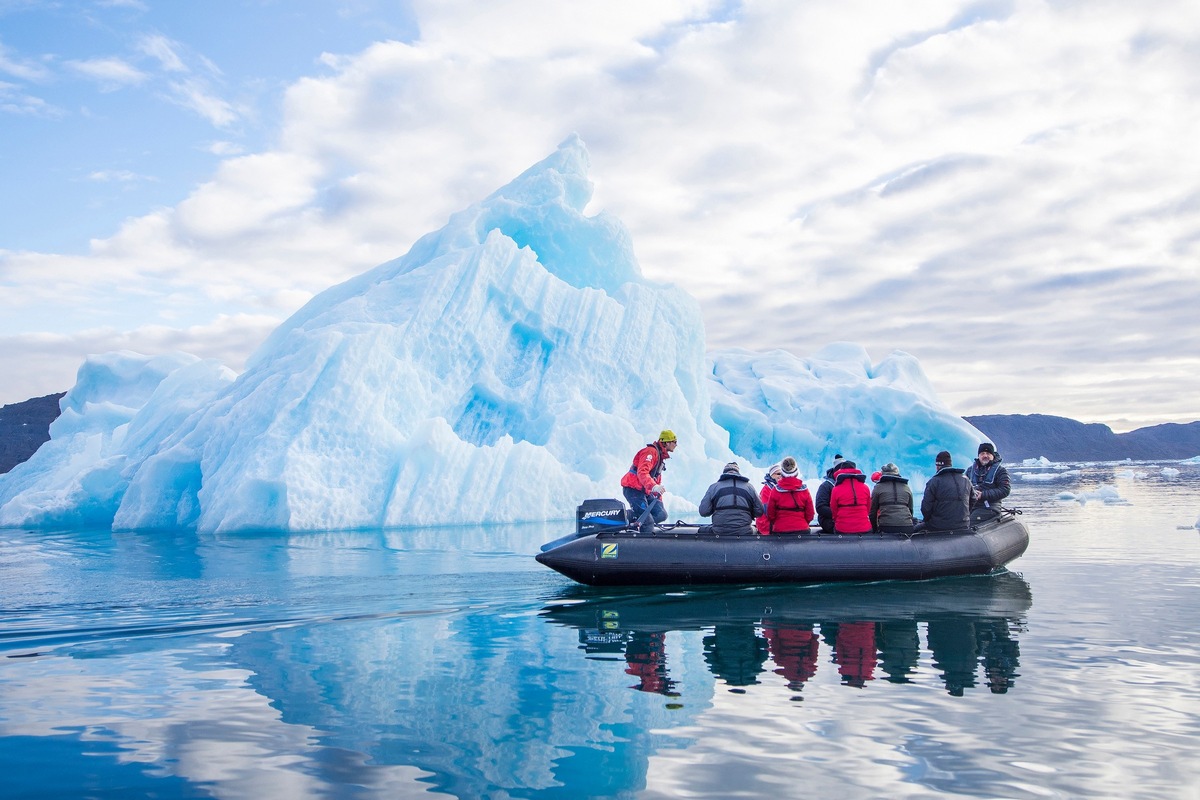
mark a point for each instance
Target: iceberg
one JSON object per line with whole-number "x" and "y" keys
{"x": 504, "y": 369}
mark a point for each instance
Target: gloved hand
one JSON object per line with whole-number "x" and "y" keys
{"x": 657, "y": 490}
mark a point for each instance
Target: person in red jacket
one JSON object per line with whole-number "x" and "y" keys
{"x": 642, "y": 483}
{"x": 789, "y": 505}
{"x": 850, "y": 500}
{"x": 770, "y": 481}
{"x": 794, "y": 649}
{"x": 854, "y": 651}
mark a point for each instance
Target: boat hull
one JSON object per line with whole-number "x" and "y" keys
{"x": 629, "y": 558}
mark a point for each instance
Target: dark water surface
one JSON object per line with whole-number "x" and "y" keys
{"x": 448, "y": 663}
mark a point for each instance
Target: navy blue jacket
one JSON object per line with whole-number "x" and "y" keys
{"x": 946, "y": 505}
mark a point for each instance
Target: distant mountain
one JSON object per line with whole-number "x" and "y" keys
{"x": 24, "y": 427}
{"x": 1021, "y": 436}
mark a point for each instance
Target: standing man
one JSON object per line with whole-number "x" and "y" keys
{"x": 946, "y": 505}
{"x": 642, "y": 484}
{"x": 989, "y": 481}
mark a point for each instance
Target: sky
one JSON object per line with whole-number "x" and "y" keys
{"x": 1009, "y": 191}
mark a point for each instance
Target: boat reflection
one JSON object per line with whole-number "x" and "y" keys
{"x": 871, "y": 631}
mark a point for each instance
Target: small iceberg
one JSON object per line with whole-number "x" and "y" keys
{"x": 1105, "y": 494}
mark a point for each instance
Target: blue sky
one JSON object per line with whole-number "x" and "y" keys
{"x": 119, "y": 107}
{"x": 1007, "y": 190}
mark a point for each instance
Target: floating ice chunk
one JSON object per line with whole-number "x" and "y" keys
{"x": 1105, "y": 493}
{"x": 1040, "y": 461}
{"x": 1170, "y": 472}
{"x": 1047, "y": 476}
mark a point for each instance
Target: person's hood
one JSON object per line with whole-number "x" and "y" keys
{"x": 792, "y": 482}
{"x": 734, "y": 477}
{"x": 897, "y": 478}
{"x": 958, "y": 470}
{"x": 851, "y": 474}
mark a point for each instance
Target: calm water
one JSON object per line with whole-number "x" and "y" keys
{"x": 448, "y": 663}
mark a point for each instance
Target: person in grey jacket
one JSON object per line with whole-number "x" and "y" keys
{"x": 891, "y": 502}
{"x": 731, "y": 503}
{"x": 946, "y": 505}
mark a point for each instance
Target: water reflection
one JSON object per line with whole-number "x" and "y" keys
{"x": 867, "y": 631}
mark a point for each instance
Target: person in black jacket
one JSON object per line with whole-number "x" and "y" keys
{"x": 731, "y": 502}
{"x": 821, "y": 501}
{"x": 946, "y": 505}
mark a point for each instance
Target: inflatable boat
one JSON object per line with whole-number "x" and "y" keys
{"x": 605, "y": 551}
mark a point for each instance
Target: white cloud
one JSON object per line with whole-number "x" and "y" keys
{"x": 111, "y": 73}
{"x": 15, "y": 101}
{"x": 163, "y": 50}
{"x": 226, "y": 149}
{"x": 117, "y": 176}
{"x": 44, "y": 363}
{"x": 22, "y": 68}
{"x": 1010, "y": 197}
{"x": 196, "y": 95}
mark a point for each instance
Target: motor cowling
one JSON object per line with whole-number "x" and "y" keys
{"x": 597, "y": 516}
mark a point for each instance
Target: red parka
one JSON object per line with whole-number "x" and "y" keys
{"x": 647, "y": 466}
{"x": 850, "y": 502}
{"x": 789, "y": 507}
{"x": 764, "y": 494}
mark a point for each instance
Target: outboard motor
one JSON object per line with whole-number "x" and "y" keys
{"x": 597, "y": 516}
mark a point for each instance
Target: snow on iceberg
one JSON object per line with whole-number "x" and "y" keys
{"x": 505, "y": 368}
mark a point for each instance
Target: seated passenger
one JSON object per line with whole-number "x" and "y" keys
{"x": 731, "y": 502}
{"x": 789, "y": 505}
{"x": 946, "y": 505}
{"x": 989, "y": 482}
{"x": 821, "y": 501}
{"x": 770, "y": 481}
{"x": 891, "y": 502}
{"x": 850, "y": 500}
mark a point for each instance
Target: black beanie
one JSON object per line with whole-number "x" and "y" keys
{"x": 943, "y": 459}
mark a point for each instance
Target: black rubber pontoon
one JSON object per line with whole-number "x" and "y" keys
{"x": 683, "y": 554}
